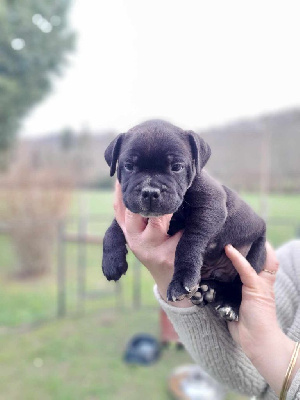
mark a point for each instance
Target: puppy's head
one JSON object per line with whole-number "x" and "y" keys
{"x": 157, "y": 163}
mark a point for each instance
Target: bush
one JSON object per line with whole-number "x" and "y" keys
{"x": 33, "y": 203}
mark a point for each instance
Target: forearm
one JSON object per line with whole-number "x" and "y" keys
{"x": 207, "y": 338}
{"x": 208, "y": 341}
{"x": 162, "y": 276}
{"x": 265, "y": 373}
{"x": 272, "y": 359}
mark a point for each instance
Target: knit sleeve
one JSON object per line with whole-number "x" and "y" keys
{"x": 294, "y": 391}
{"x": 288, "y": 308}
{"x": 207, "y": 339}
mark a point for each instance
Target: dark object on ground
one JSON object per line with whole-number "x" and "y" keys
{"x": 160, "y": 168}
{"x": 190, "y": 382}
{"x": 142, "y": 349}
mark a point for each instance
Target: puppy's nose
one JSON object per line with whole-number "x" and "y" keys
{"x": 150, "y": 193}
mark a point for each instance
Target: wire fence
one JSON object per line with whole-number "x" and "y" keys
{"x": 78, "y": 282}
{"x": 83, "y": 238}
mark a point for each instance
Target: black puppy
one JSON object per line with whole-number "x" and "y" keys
{"x": 160, "y": 168}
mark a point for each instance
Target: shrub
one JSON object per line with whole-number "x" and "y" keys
{"x": 33, "y": 203}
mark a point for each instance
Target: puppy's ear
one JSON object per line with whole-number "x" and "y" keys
{"x": 200, "y": 150}
{"x": 112, "y": 152}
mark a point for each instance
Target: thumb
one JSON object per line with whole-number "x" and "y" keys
{"x": 170, "y": 244}
{"x": 247, "y": 274}
{"x": 173, "y": 240}
{"x": 157, "y": 228}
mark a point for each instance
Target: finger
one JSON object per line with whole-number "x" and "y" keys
{"x": 128, "y": 221}
{"x": 161, "y": 223}
{"x": 134, "y": 223}
{"x": 119, "y": 206}
{"x": 167, "y": 248}
{"x": 157, "y": 228}
{"x": 171, "y": 243}
{"x": 271, "y": 265}
{"x": 247, "y": 274}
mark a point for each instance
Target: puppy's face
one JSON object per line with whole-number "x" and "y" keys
{"x": 155, "y": 172}
{"x": 157, "y": 163}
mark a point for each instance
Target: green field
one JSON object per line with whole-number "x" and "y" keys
{"x": 81, "y": 354}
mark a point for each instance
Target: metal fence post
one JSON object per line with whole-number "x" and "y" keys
{"x": 119, "y": 295}
{"x": 81, "y": 255}
{"x": 81, "y": 264}
{"x": 61, "y": 271}
{"x": 137, "y": 284}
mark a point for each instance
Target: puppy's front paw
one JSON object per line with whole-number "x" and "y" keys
{"x": 179, "y": 288}
{"x": 114, "y": 265}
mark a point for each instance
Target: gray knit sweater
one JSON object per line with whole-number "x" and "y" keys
{"x": 209, "y": 342}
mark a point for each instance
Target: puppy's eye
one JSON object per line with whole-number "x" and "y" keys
{"x": 177, "y": 167}
{"x": 128, "y": 166}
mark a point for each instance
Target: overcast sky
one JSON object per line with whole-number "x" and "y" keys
{"x": 195, "y": 63}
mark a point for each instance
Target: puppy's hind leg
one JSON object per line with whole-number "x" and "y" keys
{"x": 228, "y": 300}
{"x": 257, "y": 253}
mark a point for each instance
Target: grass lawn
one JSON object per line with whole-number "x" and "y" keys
{"x": 25, "y": 301}
{"x": 283, "y": 215}
{"x": 79, "y": 357}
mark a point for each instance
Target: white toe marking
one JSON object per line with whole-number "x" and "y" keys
{"x": 213, "y": 245}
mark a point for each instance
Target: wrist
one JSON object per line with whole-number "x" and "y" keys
{"x": 269, "y": 339}
{"x": 185, "y": 303}
{"x": 162, "y": 275}
{"x": 272, "y": 358}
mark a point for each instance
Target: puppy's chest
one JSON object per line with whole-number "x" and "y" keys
{"x": 216, "y": 265}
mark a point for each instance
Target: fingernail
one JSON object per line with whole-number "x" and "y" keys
{"x": 229, "y": 246}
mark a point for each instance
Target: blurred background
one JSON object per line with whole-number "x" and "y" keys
{"x": 74, "y": 74}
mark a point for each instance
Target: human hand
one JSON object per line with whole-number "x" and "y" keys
{"x": 258, "y": 331}
{"x": 148, "y": 240}
{"x": 257, "y": 315}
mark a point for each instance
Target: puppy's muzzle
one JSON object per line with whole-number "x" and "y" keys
{"x": 150, "y": 197}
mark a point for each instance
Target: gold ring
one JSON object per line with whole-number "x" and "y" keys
{"x": 270, "y": 272}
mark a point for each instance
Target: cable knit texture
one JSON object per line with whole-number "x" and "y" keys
{"x": 207, "y": 339}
